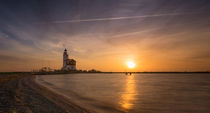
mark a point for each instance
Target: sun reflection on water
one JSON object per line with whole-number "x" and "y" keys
{"x": 128, "y": 96}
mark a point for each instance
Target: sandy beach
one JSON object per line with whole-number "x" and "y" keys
{"x": 21, "y": 94}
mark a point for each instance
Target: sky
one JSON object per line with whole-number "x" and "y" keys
{"x": 157, "y": 35}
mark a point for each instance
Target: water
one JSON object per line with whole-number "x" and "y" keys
{"x": 138, "y": 93}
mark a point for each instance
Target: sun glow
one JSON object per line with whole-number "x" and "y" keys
{"x": 131, "y": 64}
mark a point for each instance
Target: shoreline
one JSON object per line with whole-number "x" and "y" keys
{"x": 77, "y": 72}
{"x": 21, "y": 93}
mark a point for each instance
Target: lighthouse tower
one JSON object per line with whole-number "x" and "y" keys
{"x": 68, "y": 64}
{"x": 65, "y": 58}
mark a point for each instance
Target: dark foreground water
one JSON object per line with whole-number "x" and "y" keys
{"x": 138, "y": 93}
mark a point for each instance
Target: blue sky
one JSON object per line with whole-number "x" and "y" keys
{"x": 159, "y": 35}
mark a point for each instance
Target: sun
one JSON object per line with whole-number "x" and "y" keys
{"x": 131, "y": 64}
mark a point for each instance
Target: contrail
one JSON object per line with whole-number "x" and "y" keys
{"x": 118, "y": 18}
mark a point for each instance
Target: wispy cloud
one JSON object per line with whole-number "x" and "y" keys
{"x": 120, "y": 18}
{"x": 120, "y": 35}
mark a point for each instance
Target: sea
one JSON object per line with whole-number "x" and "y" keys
{"x": 136, "y": 93}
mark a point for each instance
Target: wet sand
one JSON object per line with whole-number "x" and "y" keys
{"x": 21, "y": 94}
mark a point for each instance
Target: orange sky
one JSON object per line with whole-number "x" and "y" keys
{"x": 156, "y": 35}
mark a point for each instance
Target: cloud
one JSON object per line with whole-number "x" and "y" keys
{"x": 11, "y": 58}
{"x": 120, "y": 18}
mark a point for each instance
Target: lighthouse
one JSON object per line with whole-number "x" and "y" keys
{"x": 68, "y": 64}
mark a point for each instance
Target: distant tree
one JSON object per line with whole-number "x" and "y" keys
{"x": 93, "y": 71}
{"x": 46, "y": 69}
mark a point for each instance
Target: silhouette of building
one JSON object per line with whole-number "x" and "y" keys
{"x": 68, "y": 64}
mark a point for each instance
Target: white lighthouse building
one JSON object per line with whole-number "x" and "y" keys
{"x": 68, "y": 64}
